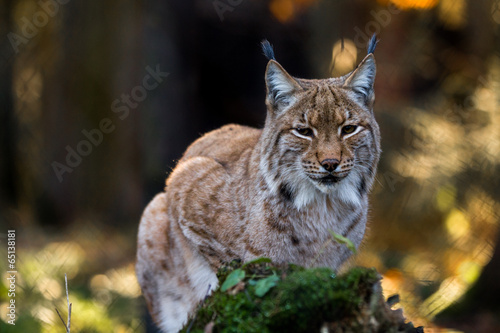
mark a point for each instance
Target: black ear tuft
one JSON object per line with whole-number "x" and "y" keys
{"x": 372, "y": 44}
{"x": 267, "y": 48}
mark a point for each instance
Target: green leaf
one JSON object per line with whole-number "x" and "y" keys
{"x": 232, "y": 279}
{"x": 256, "y": 261}
{"x": 343, "y": 240}
{"x": 264, "y": 285}
{"x": 252, "y": 282}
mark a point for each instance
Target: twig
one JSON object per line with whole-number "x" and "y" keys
{"x": 68, "y": 326}
{"x": 61, "y": 318}
{"x": 69, "y": 316}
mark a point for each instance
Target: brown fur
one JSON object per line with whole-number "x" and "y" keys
{"x": 240, "y": 192}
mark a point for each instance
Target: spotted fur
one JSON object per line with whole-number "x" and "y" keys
{"x": 276, "y": 192}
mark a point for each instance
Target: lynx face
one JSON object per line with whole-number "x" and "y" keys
{"x": 326, "y": 137}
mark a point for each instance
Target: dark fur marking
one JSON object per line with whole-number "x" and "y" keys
{"x": 149, "y": 243}
{"x": 370, "y": 129}
{"x": 175, "y": 296}
{"x": 230, "y": 254}
{"x": 313, "y": 97}
{"x": 201, "y": 232}
{"x": 224, "y": 165}
{"x": 295, "y": 241}
{"x": 334, "y": 95}
{"x": 354, "y": 222}
{"x": 207, "y": 251}
{"x": 251, "y": 248}
{"x": 170, "y": 239}
{"x": 164, "y": 265}
{"x": 286, "y": 192}
{"x": 277, "y": 225}
{"x": 185, "y": 279}
{"x": 145, "y": 277}
{"x": 246, "y": 172}
{"x": 276, "y": 143}
{"x": 268, "y": 154}
{"x": 214, "y": 199}
{"x": 150, "y": 284}
{"x": 362, "y": 187}
{"x": 267, "y": 206}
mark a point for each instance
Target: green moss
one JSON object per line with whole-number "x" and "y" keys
{"x": 311, "y": 297}
{"x": 267, "y": 298}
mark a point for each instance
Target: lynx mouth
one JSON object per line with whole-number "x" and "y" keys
{"x": 330, "y": 179}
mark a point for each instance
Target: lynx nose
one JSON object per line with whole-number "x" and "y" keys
{"x": 330, "y": 164}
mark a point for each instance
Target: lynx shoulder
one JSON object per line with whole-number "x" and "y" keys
{"x": 277, "y": 192}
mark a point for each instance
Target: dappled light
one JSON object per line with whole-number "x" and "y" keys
{"x": 412, "y": 4}
{"x": 286, "y": 10}
{"x": 344, "y": 57}
{"x": 102, "y": 302}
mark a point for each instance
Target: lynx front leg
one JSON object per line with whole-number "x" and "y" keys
{"x": 173, "y": 276}
{"x": 180, "y": 293}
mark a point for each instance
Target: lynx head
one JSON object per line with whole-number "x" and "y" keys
{"x": 320, "y": 138}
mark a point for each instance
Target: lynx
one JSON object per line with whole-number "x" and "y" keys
{"x": 276, "y": 192}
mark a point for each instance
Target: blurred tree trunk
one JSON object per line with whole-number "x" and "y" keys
{"x": 9, "y": 132}
{"x": 92, "y": 67}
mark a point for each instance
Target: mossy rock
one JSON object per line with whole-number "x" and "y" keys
{"x": 260, "y": 297}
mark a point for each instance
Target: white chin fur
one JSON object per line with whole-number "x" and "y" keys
{"x": 309, "y": 191}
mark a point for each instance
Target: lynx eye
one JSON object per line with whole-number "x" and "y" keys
{"x": 348, "y": 129}
{"x": 304, "y": 131}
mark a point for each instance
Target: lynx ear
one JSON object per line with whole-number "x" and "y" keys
{"x": 281, "y": 87}
{"x": 361, "y": 80}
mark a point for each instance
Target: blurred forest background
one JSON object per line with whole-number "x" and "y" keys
{"x": 98, "y": 99}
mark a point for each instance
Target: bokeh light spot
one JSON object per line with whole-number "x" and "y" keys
{"x": 344, "y": 54}
{"x": 469, "y": 271}
{"x": 283, "y": 10}
{"x": 457, "y": 224}
{"x": 412, "y": 4}
{"x": 49, "y": 288}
